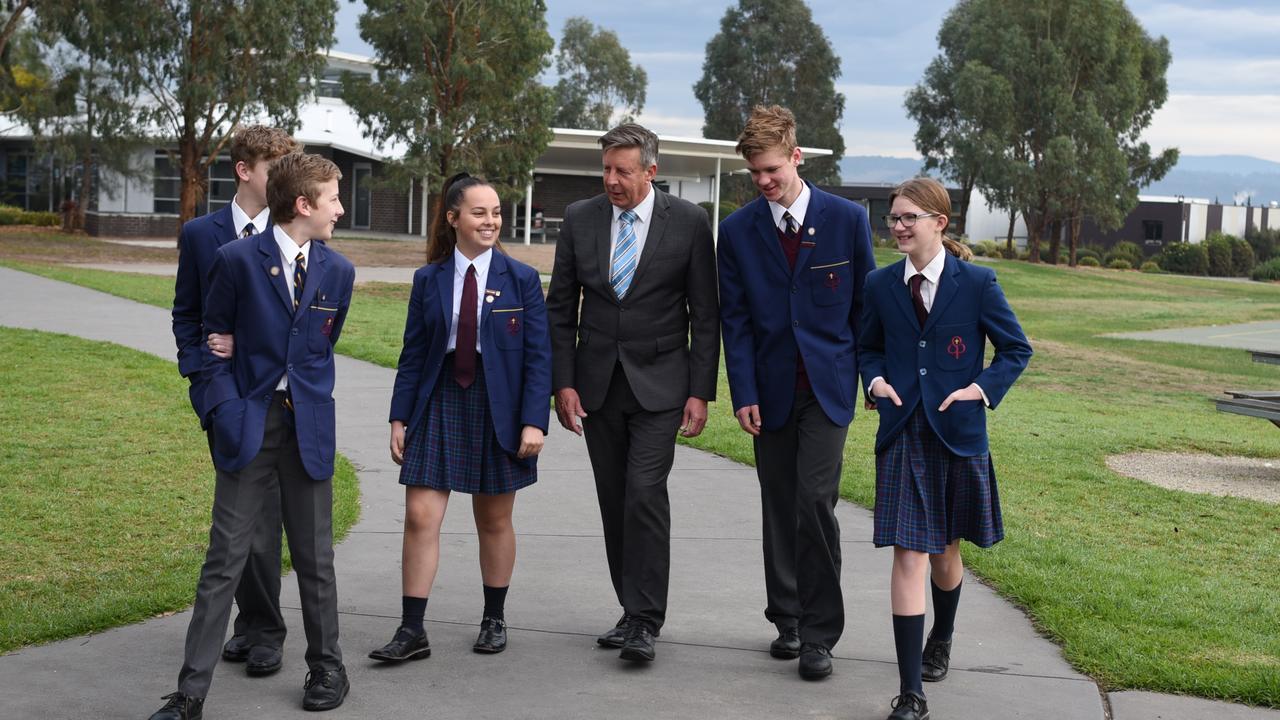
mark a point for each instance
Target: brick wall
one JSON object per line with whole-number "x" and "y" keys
{"x": 554, "y": 193}
{"x": 130, "y": 225}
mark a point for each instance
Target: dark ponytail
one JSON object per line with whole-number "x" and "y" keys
{"x": 443, "y": 237}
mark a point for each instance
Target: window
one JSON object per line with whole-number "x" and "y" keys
{"x": 167, "y": 186}
{"x": 1152, "y": 230}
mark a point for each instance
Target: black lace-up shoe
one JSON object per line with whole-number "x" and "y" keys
{"x": 325, "y": 689}
{"x": 180, "y": 707}
{"x": 406, "y": 645}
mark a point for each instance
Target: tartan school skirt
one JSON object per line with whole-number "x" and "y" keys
{"x": 454, "y": 447}
{"x": 927, "y": 496}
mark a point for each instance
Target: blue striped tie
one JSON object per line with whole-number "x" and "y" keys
{"x": 299, "y": 279}
{"x": 624, "y": 255}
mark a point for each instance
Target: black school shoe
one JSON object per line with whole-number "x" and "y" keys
{"x": 787, "y": 644}
{"x": 936, "y": 660}
{"x": 815, "y": 662}
{"x": 909, "y": 706}
{"x": 180, "y": 707}
{"x": 406, "y": 645}
{"x": 236, "y": 649}
{"x": 639, "y": 646}
{"x": 616, "y": 636}
{"x": 325, "y": 689}
{"x": 263, "y": 660}
{"x": 492, "y": 638}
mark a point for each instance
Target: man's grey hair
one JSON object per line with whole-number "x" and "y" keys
{"x": 629, "y": 135}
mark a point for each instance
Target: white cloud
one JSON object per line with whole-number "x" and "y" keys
{"x": 1209, "y": 20}
{"x": 678, "y": 125}
{"x": 665, "y": 57}
{"x": 1218, "y": 125}
{"x": 1213, "y": 75}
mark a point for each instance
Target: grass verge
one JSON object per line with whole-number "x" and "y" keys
{"x": 1143, "y": 587}
{"x": 106, "y": 487}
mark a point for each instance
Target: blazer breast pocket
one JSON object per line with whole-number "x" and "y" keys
{"x": 831, "y": 283}
{"x": 956, "y": 346}
{"x": 321, "y": 317}
{"x": 508, "y": 324}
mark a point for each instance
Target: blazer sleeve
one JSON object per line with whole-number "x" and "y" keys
{"x": 870, "y": 337}
{"x": 340, "y": 318}
{"x": 1012, "y": 350}
{"x": 219, "y": 317}
{"x": 413, "y": 353}
{"x": 188, "y": 328}
{"x": 563, "y": 300}
{"x": 704, "y": 311}
{"x": 864, "y": 261}
{"x": 735, "y": 326}
{"x": 535, "y": 405}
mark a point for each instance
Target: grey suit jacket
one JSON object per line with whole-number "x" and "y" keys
{"x": 665, "y": 331}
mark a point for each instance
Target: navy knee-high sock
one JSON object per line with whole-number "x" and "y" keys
{"x": 908, "y": 639}
{"x": 945, "y": 603}
{"x": 412, "y": 611}
{"x": 495, "y": 599}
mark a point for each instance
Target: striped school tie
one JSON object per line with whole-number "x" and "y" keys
{"x": 624, "y": 255}
{"x": 299, "y": 279}
{"x": 791, "y": 228}
{"x": 249, "y": 229}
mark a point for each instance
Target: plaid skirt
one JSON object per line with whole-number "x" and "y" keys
{"x": 454, "y": 447}
{"x": 928, "y": 497}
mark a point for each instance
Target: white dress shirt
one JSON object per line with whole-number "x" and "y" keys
{"x": 460, "y": 266}
{"x": 240, "y": 218}
{"x": 798, "y": 208}
{"x": 644, "y": 213}
{"x": 288, "y": 252}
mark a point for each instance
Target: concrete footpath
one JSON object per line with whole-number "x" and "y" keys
{"x": 712, "y": 657}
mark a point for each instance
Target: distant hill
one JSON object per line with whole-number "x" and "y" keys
{"x": 1227, "y": 178}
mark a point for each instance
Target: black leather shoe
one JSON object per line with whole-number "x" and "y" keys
{"x": 815, "y": 662}
{"x": 406, "y": 645}
{"x": 618, "y": 635}
{"x": 936, "y": 660}
{"x": 493, "y": 636}
{"x": 263, "y": 660}
{"x": 787, "y": 645}
{"x": 325, "y": 689}
{"x": 236, "y": 649}
{"x": 180, "y": 707}
{"x": 639, "y": 643}
{"x": 909, "y": 706}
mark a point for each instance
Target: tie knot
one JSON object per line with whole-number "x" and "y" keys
{"x": 916, "y": 280}
{"x": 629, "y": 216}
{"x": 471, "y": 269}
{"x": 300, "y": 260}
{"x": 789, "y": 221}
{"x": 249, "y": 229}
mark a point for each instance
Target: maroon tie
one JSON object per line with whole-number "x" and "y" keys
{"x": 464, "y": 357}
{"x": 917, "y": 299}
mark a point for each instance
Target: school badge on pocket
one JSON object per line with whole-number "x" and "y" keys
{"x": 956, "y": 348}
{"x": 327, "y": 328}
{"x": 513, "y": 325}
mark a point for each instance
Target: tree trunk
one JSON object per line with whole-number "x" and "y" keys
{"x": 962, "y": 223}
{"x": 1008, "y": 243}
{"x": 12, "y": 25}
{"x": 1055, "y": 241}
{"x": 1075, "y": 236}
{"x": 193, "y": 178}
{"x": 86, "y": 187}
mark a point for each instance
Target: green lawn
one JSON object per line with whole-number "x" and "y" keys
{"x": 1143, "y": 587}
{"x": 105, "y": 485}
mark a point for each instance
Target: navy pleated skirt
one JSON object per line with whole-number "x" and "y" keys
{"x": 927, "y": 497}
{"x": 454, "y": 447}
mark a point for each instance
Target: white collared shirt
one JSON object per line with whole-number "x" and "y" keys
{"x": 798, "y": 208}
{"x": 460, "y": 265}
{"x": 644, "y": 213}
{"x": 288, "y": 253}
{"x": 240, "y": 218}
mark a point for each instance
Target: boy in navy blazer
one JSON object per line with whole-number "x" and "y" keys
{"x": 270, "y": 407}
{"x": 792, "y": 264}
{"x": 259, "y": 628}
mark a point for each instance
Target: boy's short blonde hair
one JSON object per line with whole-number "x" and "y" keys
{"x": 254, "y": 143}
{"x": 297, "y": 175}
{"x": 768, "y": 128}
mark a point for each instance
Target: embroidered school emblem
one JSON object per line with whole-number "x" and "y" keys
{"x": 513, "y": 325}
{"x": 832, "y": 281}
{"x": 327, "y": 328}
{"x": 956, "y": 348}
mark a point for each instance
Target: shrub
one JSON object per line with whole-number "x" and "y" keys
{"x": 1185, "y": 259}
{"x": 1267, "y": 271}
{"x": 10, "y": 215}
{"x": 1120, "y": 264}
{"x": 1087, "y": 251}
{"x": 1219, "y": 249}
{"x": 1089, "y": 261}
{"x": 726, "y": 207}
{"x": 1242, "y": 258}
{"x": 1151, "y": 266}
{"x": 988, "y": 248}
{"x": 1263, "y": 243}
{"x": 1124, "y": 250}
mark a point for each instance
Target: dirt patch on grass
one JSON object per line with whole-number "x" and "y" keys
{"x": 1228, "y": 476}
{"x": 49, "y": 245}
{"x": 413, "y": 252}
{"x": 1071, "y": 364}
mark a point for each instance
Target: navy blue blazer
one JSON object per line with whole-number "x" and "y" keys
{"x": 514, "y": 342}
{"x": 768, "y": 310}
{"x": 199, "y": 240}
{"x": 925, "y": 365}
{"x": 248, "y": 296}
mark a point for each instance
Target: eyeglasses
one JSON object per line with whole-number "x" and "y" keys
{"x": 908, "y": 219}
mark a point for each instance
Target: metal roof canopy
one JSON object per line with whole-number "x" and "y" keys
{"x": 577, "y": 152}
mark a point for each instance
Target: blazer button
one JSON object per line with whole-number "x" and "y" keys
{"x": 923, "y": 343}
{"x": 289, "y": 367}
{"x": 924, "y": 371}
{"x": 266, "y": 399}
{"x": 795, "y": 288}
{"x": 795, "y": 323}
{"x": 293, "y": 331}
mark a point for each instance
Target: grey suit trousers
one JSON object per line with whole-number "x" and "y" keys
{"x": 307, "y": 511}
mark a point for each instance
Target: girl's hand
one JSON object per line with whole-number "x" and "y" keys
{"x": 397, "y": 442}
{"x": 969, "y": 393}
{"x": 531, "y": 439}
{"x": 882, "y": 389}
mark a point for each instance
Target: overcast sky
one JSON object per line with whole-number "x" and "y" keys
{"x": 1224, "y": 83}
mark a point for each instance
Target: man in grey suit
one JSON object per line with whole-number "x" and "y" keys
{"x": 637, "y": 365}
